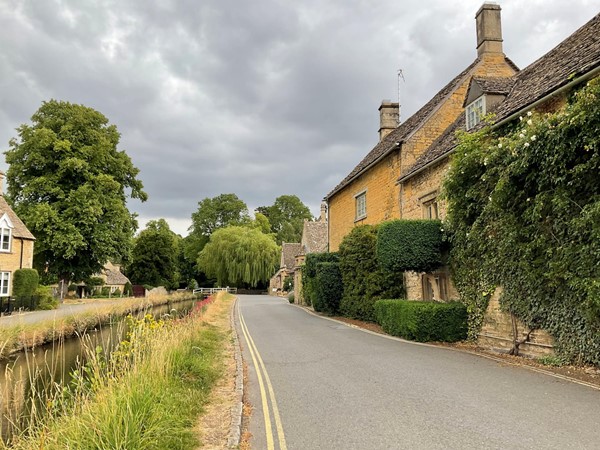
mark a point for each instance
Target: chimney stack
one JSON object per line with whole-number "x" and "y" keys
{"x": 1, "y": 183}
{"x": 389, "y": 117}
{"x": 323, "y": 217}
{"x": 489, "y": 29}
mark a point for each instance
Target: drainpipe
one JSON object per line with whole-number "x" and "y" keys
{"x": 21, "y": 259}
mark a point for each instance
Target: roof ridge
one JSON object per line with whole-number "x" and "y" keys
{"x": 383, "y": 147}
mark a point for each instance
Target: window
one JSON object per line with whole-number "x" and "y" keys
{"x": 430, "y": 210}
{"x": 361, "y": 205}
{"x": 475, "y": 111}
{"x": 6, "y": 227}
{"x": 4, "y": 283}
{"x": 435, "y": 286}
{"x": 5, "y": 234}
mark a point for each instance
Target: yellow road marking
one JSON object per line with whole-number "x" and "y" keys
{"x": 252, "y": 345}
{"x": 263, "y": 395}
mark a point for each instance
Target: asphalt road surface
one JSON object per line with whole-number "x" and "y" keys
{"x": 325, "y": 385}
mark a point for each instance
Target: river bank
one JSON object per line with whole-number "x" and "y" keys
{"x": 149, "y": 393}
{"x": 28, "y": 332}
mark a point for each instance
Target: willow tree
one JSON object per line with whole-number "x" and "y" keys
{"x": 237, "y": 255}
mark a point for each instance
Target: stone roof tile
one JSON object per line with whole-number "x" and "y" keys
{"x": 19, "y": 230}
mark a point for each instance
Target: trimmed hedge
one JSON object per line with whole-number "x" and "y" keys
{"x": 25, "y": 282}
{"x": 328, "y": 287}
{"x": 309, "y": 273}
{"x": 410, "y": 245}
{"x": 423, "y": 321}
{"x": 364, "y": 280}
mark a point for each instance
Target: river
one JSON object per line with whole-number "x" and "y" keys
{"x": 25, "y": 378}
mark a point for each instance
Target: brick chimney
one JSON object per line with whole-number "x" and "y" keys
{"x": 389, "y": 114}
{"x": 489, "y": 29}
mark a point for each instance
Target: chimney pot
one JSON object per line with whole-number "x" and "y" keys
{"x": 489, "y": 29}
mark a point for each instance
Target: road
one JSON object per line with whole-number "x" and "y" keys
{"x": 328, "y": 386}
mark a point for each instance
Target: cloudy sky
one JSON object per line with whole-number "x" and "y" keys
{"x": 260, "y": 98}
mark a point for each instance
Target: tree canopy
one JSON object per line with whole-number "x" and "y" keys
{"x": 218, "y": 212}
{"x": 286, "y": 216}
{"x": 69, "y": 183}
{"x": 154, "y": 259}
{"x": 239, "y": 255}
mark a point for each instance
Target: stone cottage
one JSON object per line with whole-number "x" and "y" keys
{"x": 286, "y": 268}
{"x": 542, "y": 86}
{"x": 370, "y": 193}
{"x": 16, "y": 244}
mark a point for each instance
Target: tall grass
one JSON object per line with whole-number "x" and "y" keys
{"x": 147, "y": 394}
{"x": 15, "y": 338}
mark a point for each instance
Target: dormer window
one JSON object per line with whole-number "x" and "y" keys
{"x": 475, "y": 111}
{"x": 6, "y": 228}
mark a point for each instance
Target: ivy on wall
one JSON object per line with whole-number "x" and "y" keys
{"x": 524, "y": 214}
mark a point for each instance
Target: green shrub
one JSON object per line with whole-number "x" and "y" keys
{"x": 423, "y": 321}
{"x": 116, "y": 293}
{"x": 25, "y": 282}
{"x": 309, "y": 273}
{"x": 328, "y": 288}
{"x": 410, "y": 245}
{"x": 128, "y": 289}
{"x": 45, "y": 300}
{"x": 105, "y": 291}
{"x": 524, "y": 214}
{"x": 364, "y": 281}
{"x": 291, "y": 297}
{"x": 288, "y": 283}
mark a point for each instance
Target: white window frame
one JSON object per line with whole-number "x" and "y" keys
{"x": 360, "y": 205}
{"x": 6, "y": 228}
{"x": 4, "y": 284}
{"x": 475, "y": 111}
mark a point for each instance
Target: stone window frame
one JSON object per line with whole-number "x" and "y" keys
{"x": 475, "y": 111}
{"x": 6, "y": 228}
{"x": 360, "y": 205}
{"x": 429, "y": 202}
{"x": 439, "y": 281}
{"x": 4, "y": 284}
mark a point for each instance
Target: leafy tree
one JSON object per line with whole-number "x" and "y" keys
{"x": 67, "y": 181}
{"x": 218, "y": 212}
{"x": 155, "y": 256}
{"x": 238, "y": 255}
{"x": 286, "y": 217}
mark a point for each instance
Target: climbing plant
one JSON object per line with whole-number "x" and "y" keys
{"x": 524, "y": 214}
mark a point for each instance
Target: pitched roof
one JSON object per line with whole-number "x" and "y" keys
{"x": 576, "y": 55}
{"x": 19, "y": 230}
{"x": 491, "y": 85}
{"x": 288, "y": 254}
{"x": 314, "y": 237}
{"x": 115, "y": 277}
{"x": 390, "y": 142}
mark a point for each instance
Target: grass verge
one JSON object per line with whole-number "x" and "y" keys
{"x": 146, "y": 395}
{"x": 17, "y": 337}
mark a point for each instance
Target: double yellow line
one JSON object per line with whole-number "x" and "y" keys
{"x": 260, "y": 371}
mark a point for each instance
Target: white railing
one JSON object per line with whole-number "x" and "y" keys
{"x": 203, "y": 291}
